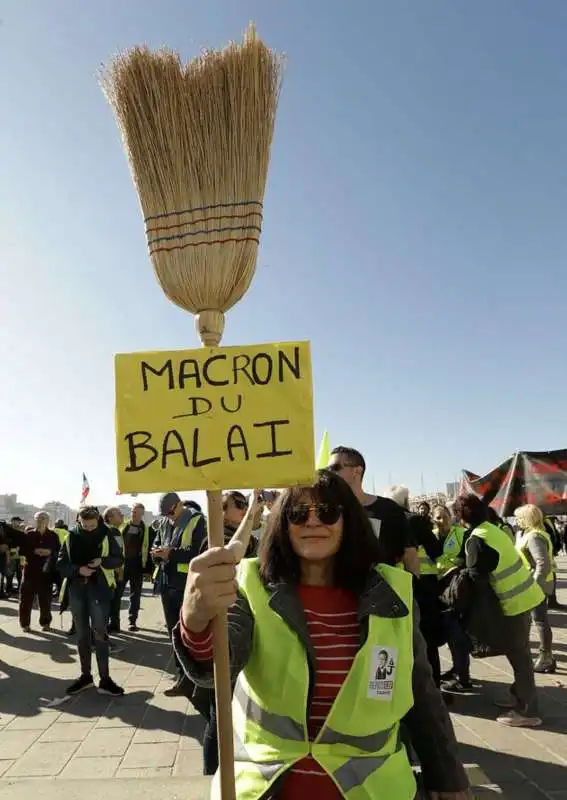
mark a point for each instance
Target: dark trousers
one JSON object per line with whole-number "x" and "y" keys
{"x": 459, "y": 645}
{"x": 90, "y": 613}
{"x": 519, "y": 655}
{"x": 172, "y": 600}
{"x": 35, "y": 586}
{"x": 133, "y": 575}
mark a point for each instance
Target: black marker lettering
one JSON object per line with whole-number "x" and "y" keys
{"x": 267, "y": 367}
{"x": 274, "y": 452}
{"x": 189, "y": 371}
{"x": 206, "y": 375}
{"x": 294, "y": 368}
{"x": 231, "y": 410}
{"x": 170, "y": 451}
{"x": 232, "y": 444}
{"x": 167, "y": 368}
{"x": 204, "y": 461}
{"x": 236, "y": 368}
{"x": 134, "y": 446}
{"x": 194, "y": 401}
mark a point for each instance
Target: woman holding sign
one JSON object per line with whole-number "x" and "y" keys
{"x": 326, "y": 656}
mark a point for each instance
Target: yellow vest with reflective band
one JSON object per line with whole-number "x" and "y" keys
{"x": 185, "y": 542}
{"x": 426, "y": 565}
{"x": 522, "y": 547}
{"x": 512, "y": 581}
{"x": 452, "y": 546}
{"x": 108, "y": 573}
{"x": 359, "y": 744}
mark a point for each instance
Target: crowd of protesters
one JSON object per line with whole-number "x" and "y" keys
{"x": 319, "y": 566}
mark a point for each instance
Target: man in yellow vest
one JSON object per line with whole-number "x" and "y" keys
{"x": 136, "y": 546}
{"x": 87, "y": 561}
{"x": 179, "y": 538}
{"x": 490, "y": 553}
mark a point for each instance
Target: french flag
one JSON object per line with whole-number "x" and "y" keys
{"x": 85, "y": 489}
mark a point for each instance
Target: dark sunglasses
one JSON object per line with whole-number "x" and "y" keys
{"x": 327, "y": 513}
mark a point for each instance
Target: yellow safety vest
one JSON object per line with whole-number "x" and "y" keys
{"x": 522, "y": 547}
{"x": 427, "y": 566}
{"x": 145, "y": 539}
{"x": 185, "y": 542}
{"x": 359, "y": 744}
{"x": 512, "y": 581}
{"x": 109, "y": 574}
{"x": 452, "y": 546}
{"x": 61, "y": 535}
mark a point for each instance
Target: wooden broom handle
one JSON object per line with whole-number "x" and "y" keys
{"x": 223, "y": 688}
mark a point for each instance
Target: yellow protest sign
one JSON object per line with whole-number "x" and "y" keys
{"x": 214, "y": 418}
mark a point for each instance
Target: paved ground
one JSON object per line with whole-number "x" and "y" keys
{"x": 153, "y": 739}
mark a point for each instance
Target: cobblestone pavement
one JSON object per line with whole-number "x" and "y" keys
{"x": 150, "y": 737}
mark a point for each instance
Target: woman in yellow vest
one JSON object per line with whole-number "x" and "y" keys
{"x": 535, "y": 547}
{"x": 489, "y": 552}
{"x": 326, "y": 656}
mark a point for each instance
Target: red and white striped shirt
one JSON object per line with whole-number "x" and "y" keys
{"x": 334, "y": 632}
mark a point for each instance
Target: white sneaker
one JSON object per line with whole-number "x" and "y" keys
{"x": 513, "y": 719}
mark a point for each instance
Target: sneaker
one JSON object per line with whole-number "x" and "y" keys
{"x": 457, "y": 686}
{"x": 132, "y": 627}
{"x": 82, "y": 683}
{"x": 26, "y": 629}
{"x": 449, "y": 675}
{"x": 107, "y": 686}
{"x": 513, "y": 719}
{"x": 46, "y": 628}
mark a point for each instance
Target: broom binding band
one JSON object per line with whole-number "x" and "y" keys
{"x": 167, "y": 249}
{"x": 204, "y": 208}
{"x": 217, "y": 218}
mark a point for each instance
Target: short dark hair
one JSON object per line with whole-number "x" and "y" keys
{"x": 354, "y": 456}
{"x": 470, "y": 509}
{"x": 89, "y": 512}
{"x": 359, "y": 551}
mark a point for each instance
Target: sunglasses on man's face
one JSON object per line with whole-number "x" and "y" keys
{"x": 326, "y": 513}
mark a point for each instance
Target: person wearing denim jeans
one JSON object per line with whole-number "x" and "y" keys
{"x": 87, "y": 561}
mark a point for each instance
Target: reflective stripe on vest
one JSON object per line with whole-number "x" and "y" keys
{"x": 512, "y": 581}
{"x": 359, "y": 744}
{"x": 185, "y": 542}
{"x": 426, "y": 565}
{"x": 522, "y": 546}
{"x": 186, "y": 539}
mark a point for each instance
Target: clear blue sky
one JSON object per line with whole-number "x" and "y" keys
{"x": 415, "y": 229}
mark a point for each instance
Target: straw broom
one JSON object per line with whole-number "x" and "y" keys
{"x": 198, "y": 140}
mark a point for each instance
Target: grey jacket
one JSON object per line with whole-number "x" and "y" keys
{"x": 428, "y": 722}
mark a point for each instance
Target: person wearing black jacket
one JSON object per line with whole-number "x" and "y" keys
{"x": 87, "y": 562}
{"x": 426, "y": 590}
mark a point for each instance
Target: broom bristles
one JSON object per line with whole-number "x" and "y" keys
{"x": 198, "y": 141}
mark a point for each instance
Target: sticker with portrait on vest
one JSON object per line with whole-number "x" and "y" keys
{"x": 382, "y": 672}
